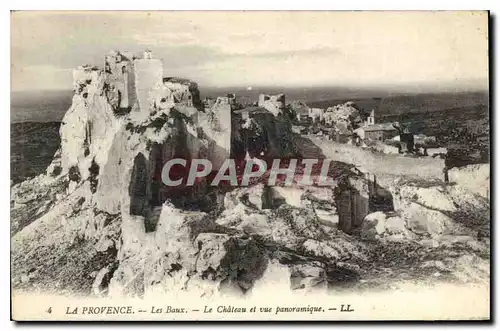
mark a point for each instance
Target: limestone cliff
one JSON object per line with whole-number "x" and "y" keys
{"x": 105, "y": 194}
{"x": 101, "y": 222}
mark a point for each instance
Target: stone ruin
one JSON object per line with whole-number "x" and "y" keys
{"x": 168, "y": 116}
{"x": 273, "y": 103}
{"x": 125, "y": 122}
{"x": 167, "y": 119}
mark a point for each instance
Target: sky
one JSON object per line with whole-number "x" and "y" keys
{"x": 289, "y": 49}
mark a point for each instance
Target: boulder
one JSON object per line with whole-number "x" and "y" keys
{"x": 327, "y": 217}
{"x": 423, "y": 220}
{"x": 373, "y": 224}
{"x": 395, "y": 225}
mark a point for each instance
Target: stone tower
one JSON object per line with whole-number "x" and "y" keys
{"x": 148, "y": 73}
{"x": 371, "y": 119}
{"x": 120, "y": 79}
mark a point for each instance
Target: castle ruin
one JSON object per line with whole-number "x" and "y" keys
{"x": 130, "y": 78}
{"x": 169, "y": 114}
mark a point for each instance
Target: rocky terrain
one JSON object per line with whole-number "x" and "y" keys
{"x": 92, "y": 224}
{"x": 435, "y": 233}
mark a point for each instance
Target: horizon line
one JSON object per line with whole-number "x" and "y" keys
{"x": 402, "y": 88}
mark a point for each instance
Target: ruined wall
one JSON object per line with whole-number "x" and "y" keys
{"x": 352, "y": 197}
{"x": 161, "y": 98}
{"x": 259, "y": 133}
{"x": 131, "y": 90}
{"x": 263, "y": 98}
{"x": 148, "y": 74}
{"x": 278, "y": 132}
{"x": 185, "y": 91}
{"x": 229, "y": 99}
{"x": 380, "y": 134}
{"x": 120, "y": 80}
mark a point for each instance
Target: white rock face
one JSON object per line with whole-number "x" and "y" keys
{"x": 436, "y": 197}
{"x": 440, "y": 209}
{"x": 216, "y": 123}
{"x": 395, "y": 225}
{"x": 423, "y": 220}
{"x": 475, "y": 178}
{"x": 290, "y": 195}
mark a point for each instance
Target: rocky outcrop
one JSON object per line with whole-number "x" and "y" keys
{"x": 100, "y": 221}
{"x": 273, "y": 103}
{"x": 344, "y": 117}
{"x": 258, "y": 132}
{"x": 103, "y": 190}
{"x": 475, "y": 178}
{"x": 430, "y": 210}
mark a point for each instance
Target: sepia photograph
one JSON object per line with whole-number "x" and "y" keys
{"x": 250, "y": 165}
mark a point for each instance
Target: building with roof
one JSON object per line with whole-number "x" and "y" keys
{"x": 381, "y": 131}
{"x": 370, "y": 120}
{"x": 316, "y": 114}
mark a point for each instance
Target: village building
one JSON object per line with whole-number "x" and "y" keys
{"x": 381, "y": 131}
{"x": 302, "y": 115}
{"x": 316, "y": 114}
{"x": 370, "y": 120}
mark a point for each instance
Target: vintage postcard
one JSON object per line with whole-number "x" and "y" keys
{"x": 281, "y": 165}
